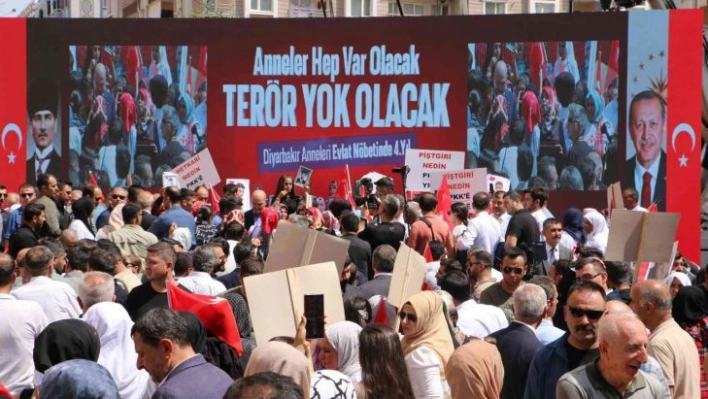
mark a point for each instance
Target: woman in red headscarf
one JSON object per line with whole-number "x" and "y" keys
{"x": 129, "y": 115}
{"x": 531, "y": 112}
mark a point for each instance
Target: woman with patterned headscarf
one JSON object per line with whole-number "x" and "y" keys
{"x": 598, "y": 131}
{"x": 189, "y": 132}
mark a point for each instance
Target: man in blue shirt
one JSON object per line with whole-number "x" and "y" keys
{"x": 179, "y": 204}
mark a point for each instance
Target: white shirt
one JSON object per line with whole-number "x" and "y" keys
{"x": 82, "y": 232}
{"x": 540, "y": 217}
{"x": 58, "y": 299}
{"x": 552, "y": 256}
{"x": 503, "y": 223}
{"x": 639, "y": 209}
{"x": 639, "y": 177}
{"x": 477, "y": 320}
{"x": 432, "y": 270}
{"x": 425, "y": 369}
{"x": 42, "y": 154}
{"x": 202, "y": 283}
{"x": 485, "y": 231}
{"x": 230, "y": 264}
{"x": 20, "y": 323}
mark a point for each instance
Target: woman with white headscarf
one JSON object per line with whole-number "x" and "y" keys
{"x": 566, "y": 61}
{"x": 115, "y": 222}
{"x": 339, "y": 349}
{"x": 596, "y": 228}
{"x": 117, "y": 354}
{"x": 676, "y": 281}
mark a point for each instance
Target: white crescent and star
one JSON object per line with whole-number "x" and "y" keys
{"x": 11, "y": 128}
{"x": 678, "y": 130}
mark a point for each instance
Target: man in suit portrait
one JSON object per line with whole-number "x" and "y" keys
{"x": 646, "y": 170}
{"x": 43, "y": 104}
{"x": 554, "y": 251}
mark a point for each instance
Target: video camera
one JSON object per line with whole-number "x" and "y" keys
{"x": 369, "y": 197}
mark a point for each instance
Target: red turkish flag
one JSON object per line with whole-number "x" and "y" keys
{"x": 381, "y": 316}
{"x": 344, "y": 189}
{"x": 683, "y": 128}
{"x": 13, "y": 103}
{"x": 444, "y": 201}
{"x": 214, "y": 312}
{"x": 214, "y": 198}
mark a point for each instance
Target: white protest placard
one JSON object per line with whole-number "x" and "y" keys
{"x": 464, "y": 184}
{"x": 198, "y": 170}
{"x": 246, "y": 190}
{"x": 424, "y": 162}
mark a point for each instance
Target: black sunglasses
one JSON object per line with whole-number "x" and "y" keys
{"x": 591, "y": 314}
{"x": 516, "y": 270}
{"x": 411, "y": 317}
{"x": 3, "y": 195}
{"x": 27, "y": 195}
{"x": 119, "y": 197}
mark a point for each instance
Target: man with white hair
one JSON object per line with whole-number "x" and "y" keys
{"x": 623, "y": 348}
{"x": 96, "y": 287}
{"x": 518, "y": 343}
{"x": 199, "y": 281}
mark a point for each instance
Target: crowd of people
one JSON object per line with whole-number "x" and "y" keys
{"x": 129, "y": 123}
{"x": 536, "y": 113}
{"x": 516, "y": 302}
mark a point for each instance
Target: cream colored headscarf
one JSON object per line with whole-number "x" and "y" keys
{"x": 115, "y": 222}
{"x": 431, "y": 328}
{"x": 475, "y": 370}
{"x": 283, "y": 359}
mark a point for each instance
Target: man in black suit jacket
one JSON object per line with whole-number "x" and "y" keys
{"x": 359, "y": 250}
{"x": 647, "y": 128}
{"x": 517, "y": 343}
{"x": 42, "y": 108}
{"x": 258, "y": 202}
{"x": 382, "y": 260}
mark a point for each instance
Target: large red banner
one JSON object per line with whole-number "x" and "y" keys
{"x": 13, "y": 109}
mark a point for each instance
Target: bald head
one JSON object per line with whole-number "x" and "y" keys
{"x": 615, "y": 326}
{"x": 99, "y": 79}
{"x": 68, "y": 238}
{"x": 7, "y": 272}
{"x": 258, "y": 200}
{"x": 653, "y": 291}
{"x": 616, "y": 306}
{"x": 145, "y": 200}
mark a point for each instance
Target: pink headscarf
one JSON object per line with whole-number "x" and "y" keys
{"x": 127, "y": 110}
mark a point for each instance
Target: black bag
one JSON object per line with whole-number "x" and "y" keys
{"x": 432, "y": 233}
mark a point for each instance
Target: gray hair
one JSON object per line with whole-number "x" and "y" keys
{"x": 383, "y": 258}
{"x": 170, "y": 115}
{"x": 529, "y": 302}
{"x": 96, "y": 287}
{"x": 299, "y": 220}
{"x": 391, "y": 205}
{"x": 571, "y": 179}
{"x": 414, "y": 208}
{"x": 204, "y": 258}
{"x": 576, "y": 113}
{"x": 661, "y": 300}
{"x": 38, "y": 260}
{"x": 609, "y": 325}
{"x": 547, "y": 284}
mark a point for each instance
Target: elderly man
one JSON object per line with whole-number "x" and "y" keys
{"x": 623, "y": 341}
{"x": 646, "y": 170}
{"x": 163, "y": 346}
{"x": 95, "y": 288}
{"x": 119, "y": 195}
{"x": 668, "y": 343}
{"x": 199, "y": 281}
{"x": 518, "y": 343}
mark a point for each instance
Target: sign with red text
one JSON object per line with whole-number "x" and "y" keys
{"x": 424, "y": 162}
{"x": 198, "y": 170}
{"x": 464, "y": 184}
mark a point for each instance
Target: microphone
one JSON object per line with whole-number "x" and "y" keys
{"x": 404, "y": 170}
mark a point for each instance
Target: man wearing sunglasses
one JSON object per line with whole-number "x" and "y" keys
{"x": 592, "y": 269}
{"x": 514, "y": 269}
{"x": 27, "y": 194}
{"x": 584, "y": 308}
{"x": 119, "y": 195}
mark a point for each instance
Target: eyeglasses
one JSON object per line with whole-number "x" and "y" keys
{"x": 118, "y": 197}
{"x": 516, "y": 270}
{"x": 27, "y": 195}
{"x": 410, "y": 316}
{"x": 591, "y": 314}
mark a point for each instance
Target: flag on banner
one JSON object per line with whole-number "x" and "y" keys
{"x": 214, "y": 312}
{"x": 654, "y": 207}
{"x": 344, "y": 188}
{"x": 92, "y": 180}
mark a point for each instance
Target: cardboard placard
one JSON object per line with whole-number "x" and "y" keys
{"x": 463, "y": 184}
{"x": 423, "y": 162}
{"x": 198, "y": 170}
{"x": 246, "y": 191}
{"x": 295, "y": 246}
{"x": 276, "y": 300}
{"x": 655, "y": 270}
{"x": 408, "y": 276}
{"x": 614, "y": 197}
{"x": 641, "y": 236}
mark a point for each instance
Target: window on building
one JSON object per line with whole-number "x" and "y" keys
{"x": 494, "y": 7}
{"x": 439, "y": 10}
{"x": 544, "y": 7}
{"x": 360, "y": 8}
{"x": 265, "y": 6}
{"x": 409, "y": 10}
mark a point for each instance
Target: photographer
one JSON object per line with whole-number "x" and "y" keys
{"x": 388, "y": 231}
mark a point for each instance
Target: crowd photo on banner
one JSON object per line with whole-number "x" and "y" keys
{"x": 135, "y": 112}
{"x": 124, "y": 275}
{"x": 545, "y": 110}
